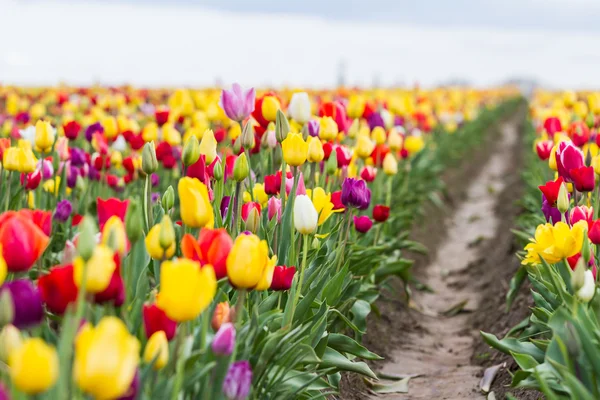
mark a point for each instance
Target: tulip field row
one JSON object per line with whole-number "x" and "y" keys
{"x": 557, "y": 348}
{"x": 230, "y": 244}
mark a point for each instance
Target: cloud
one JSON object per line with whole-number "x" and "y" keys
{"x": 151, "y": 44}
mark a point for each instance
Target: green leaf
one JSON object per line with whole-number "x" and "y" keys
{"x": 525, "y": 361}
{"x": 344, "y": 344}
{"x": 332, "y": 358}
{"x": 508, "y": 345}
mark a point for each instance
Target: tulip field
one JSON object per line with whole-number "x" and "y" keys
{"x": 237, "y": 243}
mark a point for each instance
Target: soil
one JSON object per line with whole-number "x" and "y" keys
{"x": 470, "y": 263}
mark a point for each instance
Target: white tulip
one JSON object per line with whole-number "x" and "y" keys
{"x": 299, "y": 107}
{"x": 588, "y": 289}
{"x": 305, "y": 215}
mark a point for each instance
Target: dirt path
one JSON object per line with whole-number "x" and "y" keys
{"x": 440, "y": 349}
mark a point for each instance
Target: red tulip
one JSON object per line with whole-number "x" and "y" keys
{"x": 327, "y": 149}
{"x": 109, "y": 207}
{"x": 72, "y": 129}
{"x": 199, "y": 171}
{"x": 583, "y": 178}
{"x": 272, "y": 184}
{"x": 247, "y": 207}
{"x": 58, "y": 289}
{"x": 368, "y": 173}
{"x": 23, "y": 242}
{"x": 379, "y": 153}
{"x": 552, "y": 125}
{"x": 544, "y": 149}
{"x": 343, "y": 156}
{"x": 335, "y": 110}
{"x": 550, "y": 190}
{"x": 212, "y": 247}
{"x": 282, "y": 277}
{"x": 162, "y": 115}
{"x": 115, "y": 292}
{"x": 579, "y": 133}
{"x": 336, "y": 199}
{"x": 594, "y": 232}
{"x": 31, "y": 180}
{"x": 582, "y": 213}
{"x": 381, "y": 213}
{"x": 156, "y": 320}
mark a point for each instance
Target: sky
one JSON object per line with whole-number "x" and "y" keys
{"x": 299, "y": 43}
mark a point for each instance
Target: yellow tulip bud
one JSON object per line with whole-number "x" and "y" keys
{"x": 378, "y": 135}
{"x": 329, "y": 129}
{"x": 270, "y": 105}
{"x": 111, "y": 130}
{"x": 390, "y": 165}
{"x": 208, "y": 146}
{"x": 315, "y": 150}
{"x": 44, "y": 136}
{"x": 37, "y": 111}
{"x": 364, "y": 147}
{"x": 153, "y": 245}
{"x": 196, "y": 208}
{"x": 395, "y": 140}
{"x": 295, "y": 149}
{"x": 186, "y": 289}
{"x": 10, "y": 339}
{"x": 414, "y": 144}
{"x": 33, "y": 366}
{"x": 106, "y": 359}
{"x": 552, "y": 159}
{"x": 150, "y": 132}
{"x": 166, "y": 236}
{"x": 98, "y": 269}
{"x": 114, "y": 235}
{"x": 157, "y": 350}
{"x": 356, "y": 106}
{"x": 248, "y": 263}
{"x": 596, "y": 164}
{"x": 171, "y": 135}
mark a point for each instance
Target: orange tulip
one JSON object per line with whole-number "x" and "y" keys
{"x": 23, "y": 242}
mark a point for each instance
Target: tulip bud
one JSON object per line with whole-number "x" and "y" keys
{"x": 149, "y": 161}
{"x": 585, "y": 248}
{"x": 354, "y": 128}
{"x": 282, "y": 126}
{"x": 315, "y": 151}
{"x": 253, "y": 220}
{"x": 562, "y": 202}
{"x": 277, "y": 155}
{"x": 247, "y": 136}
{"x": 224, "y": 340}
{"x": 241, "y": 168}
{"x": 157, "y": 350}
{"x": 166, "y": 236}
{"x": 331, "y": 165}
{"x": 218, "y": 171}
{"x": 588, "y": 289}
{"x": 86, "y": 241}
{"x": 238, "y": 381}
{"x": 222, "y": 314}
{"x": 7, "y": 308}
{"x": 589, "y": 120}
{"x": 305, "y": 134}
{"x": 168, "y": 199}
{"x": 191, "y": 151}
{"x": 10, "y": 339}
{"x": 237, "y": 145}
{"x": 578, "y": 275}
{"x": 133, "y": 221}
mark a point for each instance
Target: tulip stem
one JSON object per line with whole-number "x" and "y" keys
{"x": 346, "y": 226}
{"x": 146, "y": 204}
{"x": 8, "y": 190}
{"x": 239, "y": 308}
{"x": 313, "y": 174}
{"x": 235, "y": 222}
{"x": 301, "y": 278}
{"x": 597, "y": 202}
{"x": 292, "y": 258}
{"x": 250, "y": 183}
{"x": 282, "y": 186}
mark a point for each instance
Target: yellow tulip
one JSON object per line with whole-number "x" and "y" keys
{"x": 19, "y": 159}
{"x": 390, "y": 165}
{"x": 356, "y": 106}
{"x": 186, "y": 289}
{"x": 44, "y": 136}
{"x": 270, "y": 105}
{"x": 596, "y": 164}
{"x": 322, "y": 202}
{"x": 329, "y": 129}
{"x": 171, "y": 135}
{"x": 295, "y": 149}
{"x": 552, "y": 159}
{"x": 208, "y": 146}
{"x": 157, "y": 348}
{"x": 100, "y": 269}
{"x": 106, "y": 359}
{"x": 196, "y": 208}
{"x": 364, "y": 147}
{"x": 395, "y": 140}
{"x": 414, "y": 144}
{"x": 3, "y": 267}
{"x": 114, "y": 235}
{"x": 111, "y": 130}
{"x": 153, "y": 245}
{"x": 37, "y": 111}
{"x": 10, "y": 339}
{"x": 150, "y": 132}
{"x": 33, "y": 366}
{"x": 379, "y": 135}
{"x": 260, "y": 195}
{"x": 555, "y": 242}
{"x": 315, "y": 150}
{"x": 248, "y": 263}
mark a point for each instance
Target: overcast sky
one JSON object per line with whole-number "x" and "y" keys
{"x": 299, "y": 43}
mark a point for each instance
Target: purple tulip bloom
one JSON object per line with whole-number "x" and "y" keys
{"x": 225, "y": 201}
{"x": 47, "y": 168}
{"x": 154, "y": 197}
{"x": 134, "y": 388}
{"x": 314, "y": 127}
{"x": 551, "y": 213}
{"x": 356, "y": 194}
{"x": 72, "y": 175}
{"x": 93, "y": 174}
{"x": 63, "y": 211}
{"x": 92, "y": 129}
{"x": 237, "y": 103}
{"x": 375, "y": 120}
{"x": 224, "y": 341}
{"x": 26, "y": 302}
{"x": 77, "y": 157}
{"x": 154, "y": 179}
{"x": 238, "y": 381}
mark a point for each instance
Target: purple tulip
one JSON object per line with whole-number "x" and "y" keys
{"x": 356, "y": 194}
{"x": 568, "y": 157}
{"x": 77, "y": 157}
{"x": 362, "y": 224}
{"x": 238, "y": 381}
{"x": 92, "y": 129}
{"x": 551, "y": 213}
{"x": 63, "y": 211}
{"x": 154, "y": 179}
{"x": 26, "y": 302}
{"x": 375, "y": 120}
{"x": 134, "y": 388}
{"x": 237, "y": 103}
{"x": 314, "y": 127}
{"x": 154, "y": 197}
{"x": 72, "y": 174}
{"x": 93, "y": 174}
{"x": 47, "y": 168}
{"x": 3, "y": 392}
{"x": 225, "y": 201}
{"x": 224, "y": 341}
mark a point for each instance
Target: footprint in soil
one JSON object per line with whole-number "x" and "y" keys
{"x": 440, "y": 352}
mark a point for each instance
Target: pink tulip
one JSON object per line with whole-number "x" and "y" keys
{"x": 568, "y": 158}
{"x": 237, "y": 103}
{"x": 289, "y": 183}
{"x": 274, "y": 208}
{"x": 362, "y": 224}
{"x": 582, "y": 213}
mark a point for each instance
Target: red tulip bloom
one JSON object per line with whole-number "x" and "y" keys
{"x": 583, "y": 178}
{"x": 544, "y": 149}
{"x": 58, "y": 289}
{"x": 156, "y": 320}
{"x": 72, "y": 129}
{"x": 336, "y": 199}
{"x": 550, "y": 190}
{"x": 212, "y": 247}
{"x": 379, "y": 153}
{"x": 552, "y": 125}
{"x": 31, "y": 180}
{"x": 229, "y": 164}
{"x": 109, "y": 207}
{"x": 282, "y": 277}
{"x": 594, "y": 232}
{"x": 162, "y": 116}
{"x": 343, "y": 156}
{"x": 579, "y": 133}
{"x": 23, "y": 242}
{"x": 76, "y": 219}
{"x": 115, "y": 292}
{"x": 327, "y": 149}
{"x": 4, "y": 144}
{"x": 272, "y": 184}
{"x": 582, "y": 213}
{"x": 199, "y": 171}
{"x": 247, "y": 207}
{"x": 368, "y": 173}
{"x": 381, "y": 213}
